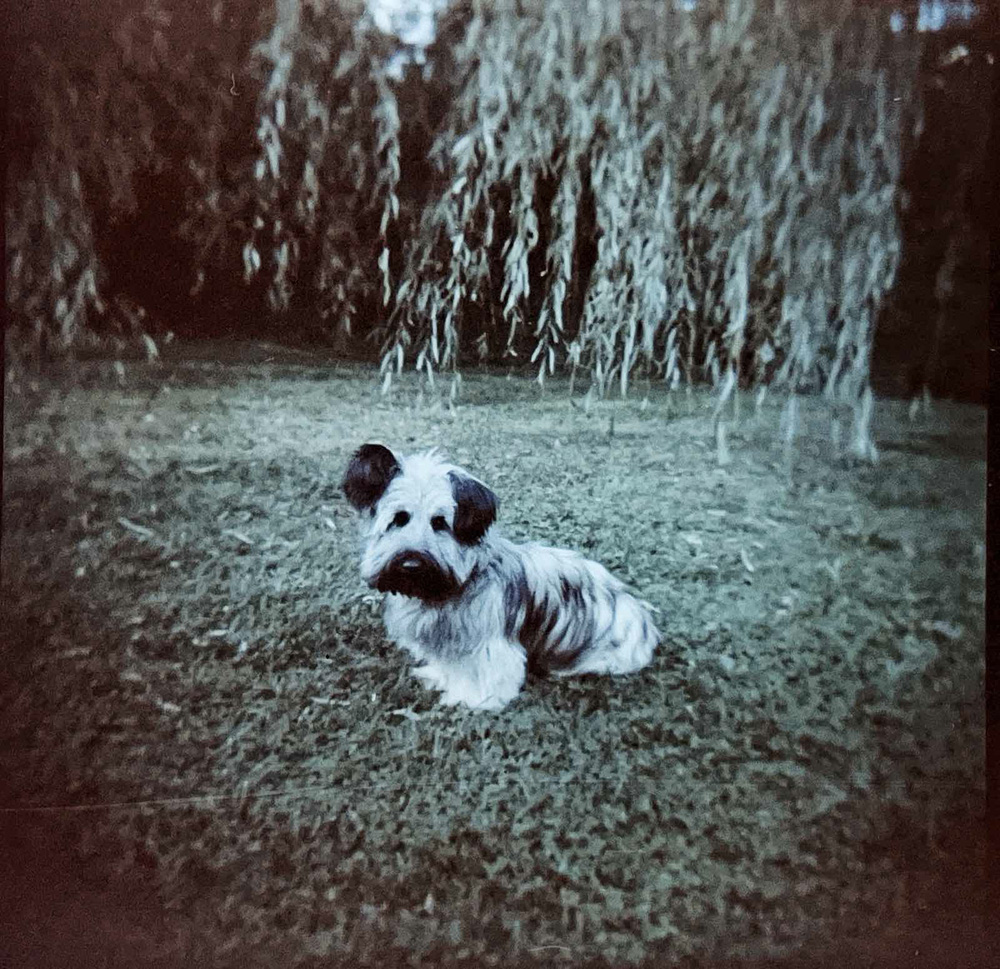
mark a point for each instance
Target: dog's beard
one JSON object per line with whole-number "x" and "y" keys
{"x": 418, "y": 576}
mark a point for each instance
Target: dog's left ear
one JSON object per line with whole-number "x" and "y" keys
{"x": 475, "y": 508}
{"x": 368, "y": 475}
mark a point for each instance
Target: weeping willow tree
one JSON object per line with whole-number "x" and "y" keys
{"x": 70, "y": 133}
{"x": 105, "y": 99}
{"x": 276, "y": 129}
{"x": 326, "y": 197}
{"x": 606, "y": 188}
{"x": 737, "y": 165}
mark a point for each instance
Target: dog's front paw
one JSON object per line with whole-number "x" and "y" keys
{"x": 479, "y": 696}
{"x": 432, "y": 677}
{"x": 462, "y": 698}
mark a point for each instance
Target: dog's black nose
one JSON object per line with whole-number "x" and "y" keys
{"x": 410, "y": 563}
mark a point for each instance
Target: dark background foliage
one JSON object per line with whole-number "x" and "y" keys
{"x": 934, "y": 330}
{"x": 134, "y": 130}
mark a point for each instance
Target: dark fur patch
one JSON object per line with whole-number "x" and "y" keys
{"x": 535, "y": 615}
{"x": 557, "y": 661}
{"x": 572, "y": 594}
{"x": 516, "y": 593}
{"x": 540, "y": 620}
{"x": 475, "y": 508}
{"x": 368, "y": 475}
{"x": 602, "y": 634}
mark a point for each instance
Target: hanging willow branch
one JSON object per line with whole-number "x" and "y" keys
{"x": 742, "y": 162}
{"x": 612, "y": 187}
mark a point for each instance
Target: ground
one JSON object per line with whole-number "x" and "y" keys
{"x": 209, "y": 753}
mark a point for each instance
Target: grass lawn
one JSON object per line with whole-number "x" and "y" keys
{"x": 239, "y": 770}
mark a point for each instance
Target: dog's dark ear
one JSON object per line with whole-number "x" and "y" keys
{"x": 368, "y": 475}
{"x": 475, "y": 508}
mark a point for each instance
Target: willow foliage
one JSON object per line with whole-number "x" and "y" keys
{"x": 105, "y": 99}
{"x": 327, "y": 163}
{"x": 71, "y": 133}
{"x": 738, "y": 166}
{"x": 610, "y": 187}
{"x": 52, "y": 264}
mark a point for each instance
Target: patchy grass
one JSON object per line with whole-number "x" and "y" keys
{"x": 241, "y": 769}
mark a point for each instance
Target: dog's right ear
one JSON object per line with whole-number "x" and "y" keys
{"x": 475, "y": 508}
{"x": 368, "y": 475}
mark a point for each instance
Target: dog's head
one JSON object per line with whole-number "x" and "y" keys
{"x": 424, "y": 521}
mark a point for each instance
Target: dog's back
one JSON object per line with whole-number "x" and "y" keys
{"x": 571, "y": 615}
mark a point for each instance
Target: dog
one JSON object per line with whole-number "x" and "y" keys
{"x": 475, "y": 610}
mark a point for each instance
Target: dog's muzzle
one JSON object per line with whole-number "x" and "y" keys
{"x": 417, "y": 575}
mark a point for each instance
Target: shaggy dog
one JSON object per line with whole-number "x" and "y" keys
{"x": 474, "y": 609}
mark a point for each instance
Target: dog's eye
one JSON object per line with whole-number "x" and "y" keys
{"x": 439, "y": 523}
{"x": 400, "y": 519}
